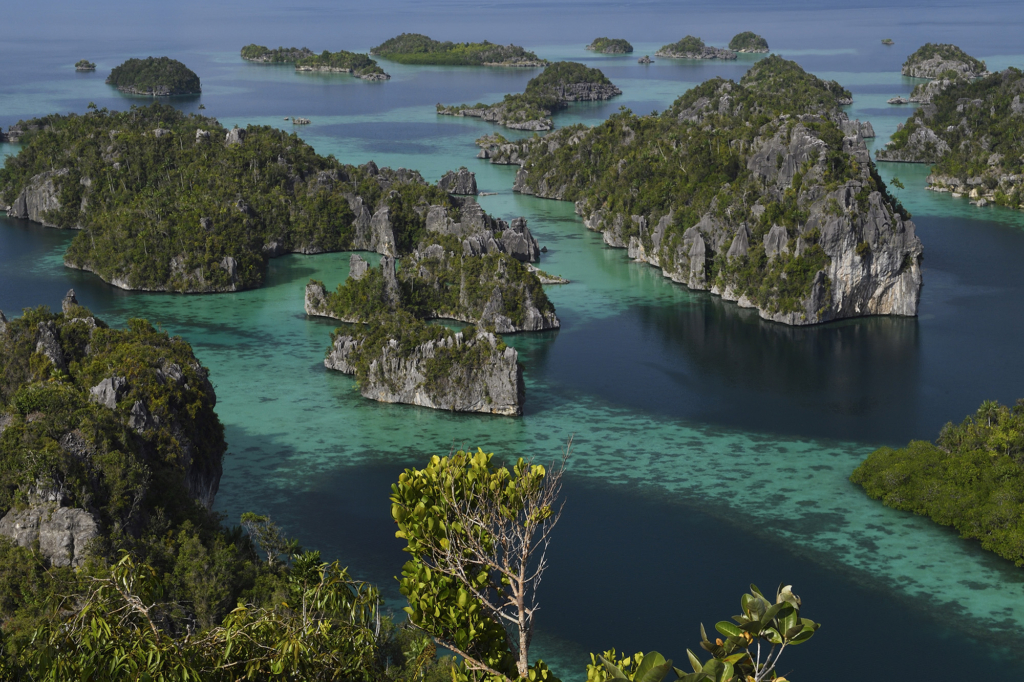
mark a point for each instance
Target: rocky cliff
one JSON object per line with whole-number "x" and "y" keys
{"x": 973, "y": 134}
{"x": 476, "y": 374}
{"x": 127, "y": 417}
{"x": 461, "y": 181}
{"x": 795, "y": 221}
{"x": 937, "y": 60}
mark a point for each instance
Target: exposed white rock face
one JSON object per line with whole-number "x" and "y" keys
{"x": 234, "y": 136}
{"x": 873, "y": 254}
{"x": 462, "y": 181}
{"x": 482, "y": 234}
{"x": 495, "y": 386}
{"x": 63, "y": 533}
{"x": 923, "y": 146}
{"x": 37, "y": 198}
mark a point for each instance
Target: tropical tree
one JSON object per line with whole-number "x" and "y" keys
{"x": 478, "y": 535}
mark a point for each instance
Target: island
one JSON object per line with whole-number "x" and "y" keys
{"x": 127, "y": 417}
{"x": 693, "y": 48}
{"x": 761, "y": 192}
{"x": 559, "y": 85}
{"x": 968, "y": 479}
{"x": 281, "y": 55}
{"x": 646, "y": 59}
{"x": 415, "y": 48}
{"x": 85, "y": 65}
{"x": 942, "y": 60}
{"x": 154, "y": 76}
{"x": 748, "y": 42}
{"x": 359, "y": 65}
{"x": 610, "y": 46}
{"x": 168, "y": 201}
{"x": 972, "y": 132}
{"x": 887, "y": 41}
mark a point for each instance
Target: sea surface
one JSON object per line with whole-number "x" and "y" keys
{"x": 710, "y": 449}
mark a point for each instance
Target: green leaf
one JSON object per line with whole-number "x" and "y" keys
{"x": 694, "y": 661}
{"x": 612, "y": 669}
{"x": 728, "y": 629}
{"x": 654, "y": 674}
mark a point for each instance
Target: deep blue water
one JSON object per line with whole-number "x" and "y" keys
{"x": 712, "y": 449}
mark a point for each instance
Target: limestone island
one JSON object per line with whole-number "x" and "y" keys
{"x": 415, "y": 48}
{"x": 748, "y": 42}
{"x": 167, "y": 201}
{"x": 359, "y": 65}
{"x": 281, "y": 55}
{"x": 693, "y": 48}
{"x": 559, "y": 85}
{"x": 646, "y": 59}
{"x": 472, "y": 270}
{"x": 85, "y": 65}
{"x": 887, "y": 41}
{"x": 610, "y": 46}
{"x": 971, "y": 134}
{"x": 127, "y": 419}
{"x": 762, "y": 192}
{"x": 154, "y": 76}
{"x": 942, "y": 61}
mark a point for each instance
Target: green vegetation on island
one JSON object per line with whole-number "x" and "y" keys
{"x": 174, "y": 202}
{"x": 748, "y": 41}
{"x": 691, "y": 47}
{"x": 85, "y": 65}
{"x": 755, "y": 190}
{"x": 610, "y": 46}
{"x": 558, "y": 85}
{"x": 971, "y": 478}
{"x": 888, "y": 41}
{"x": 110, "y": 454}
{"x": 154, "y": 76}
{"x": 942, "y": 60}
{"x": 359, "y": 65}
{"x": 414, "y": 48}
{"x": 280, "y": 55}
{"x": 973, "y": 134}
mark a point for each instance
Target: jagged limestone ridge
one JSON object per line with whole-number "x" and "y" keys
{"x": 727, "y": 192}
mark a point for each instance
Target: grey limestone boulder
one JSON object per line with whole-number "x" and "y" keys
{"x": 776, "y": 241}
{"x": 38, "y": 198}
{"x": 461, "y": 181}
{"x": 357, "y": 267}
{"x": 109, "y": 391}
{"x": 63, "y": 533}
{"x": 48, "y": 343}
{"x": 494, "y": 386}
{"x": 234, "y": 136}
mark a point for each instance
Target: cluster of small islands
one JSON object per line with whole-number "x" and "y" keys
{"x": 760, "y": 191}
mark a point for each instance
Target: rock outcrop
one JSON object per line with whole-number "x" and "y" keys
{"x": 462, "y": 181}
{"x": 483, "y": 234}
{"x": 62, "y": 534}
{"x": 38, "y": 198}
{"x": 945, "y": 60}
{"x": 479, "y": 374}
{"x": 922, "y": 146}
{"x": 697, "y": 52}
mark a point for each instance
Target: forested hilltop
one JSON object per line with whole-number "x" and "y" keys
{"x": 973, "y": 134}
{"x": 760, "y": 191}
{"x": 415, "y": 48}
{"x": 970, "y": 478}
{"x": 173, "y": 202}
{"x": 610, "y": 46}
{"x": 154, "y": 76}
{"x": 555, "y": 88}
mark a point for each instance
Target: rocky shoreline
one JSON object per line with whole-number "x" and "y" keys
{"x": 339, "y": 69}
{"x": 493, "y": 386}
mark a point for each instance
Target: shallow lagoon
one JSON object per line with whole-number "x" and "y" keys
{"x": 711, "y": 449}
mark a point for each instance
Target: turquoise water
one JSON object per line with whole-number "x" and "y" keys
{"x": 711, "y": 449}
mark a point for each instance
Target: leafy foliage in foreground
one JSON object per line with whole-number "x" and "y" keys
{"x": 154, "y": 73}
{"x": 415, "y": 48}
{"x": 163, "y": 212}
{"x": 750, "y": 651}
{"x": 971, "y": 478}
